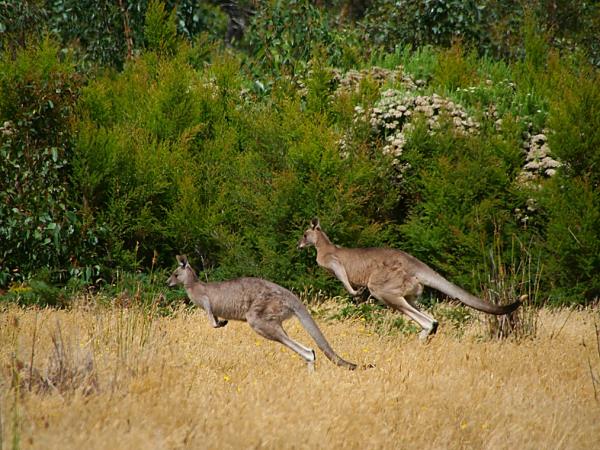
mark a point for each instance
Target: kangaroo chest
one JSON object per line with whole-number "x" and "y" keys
{"x": 356, "y": 270}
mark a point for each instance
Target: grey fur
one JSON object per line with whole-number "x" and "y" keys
{"x": 261, "y": 303}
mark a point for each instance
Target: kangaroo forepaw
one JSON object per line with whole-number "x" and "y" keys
{"x": 221, "y": 323}
{"x": 359, "y": 292}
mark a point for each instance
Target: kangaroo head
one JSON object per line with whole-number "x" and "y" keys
{"x": 184, "y": 273}
{"x": 311, "y": 235}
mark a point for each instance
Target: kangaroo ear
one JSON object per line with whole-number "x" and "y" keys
{"x": 315, "y": 224}
{"x": 182, "y": 260}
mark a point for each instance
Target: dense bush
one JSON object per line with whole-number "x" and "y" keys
{"x": 104, "y": 32}
{"x": 438, "y": 151}
{"x": 284, "y": 35}
{"x": 169, "y": 160}
{"x": 39, "y": 224}
{"x": 572, "y": 240}
{"x": 492, "y": 27}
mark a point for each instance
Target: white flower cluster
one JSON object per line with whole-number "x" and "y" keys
{"x": 491, "y": 114}
{"x": 209, "y": 85}
{"x": 392, "y": 114}
{"x": 7, "y": 128}
{"x": 350, "y": 81}
{"x": 538, "y": 161}
{"x": 538, "y": 165}
{"x": 524, "y": 215}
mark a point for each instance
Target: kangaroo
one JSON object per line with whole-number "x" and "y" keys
{"x": 392, "y": 276}
{"x": 261, "y": 303}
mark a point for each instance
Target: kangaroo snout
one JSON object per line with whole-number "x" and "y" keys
{"x": 172, "y": 281}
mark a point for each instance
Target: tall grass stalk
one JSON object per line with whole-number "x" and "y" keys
{"x": 16, "y": 384}
{"x": 593, "y": 376}
{"x": 16, "y": 428}
{"x": 1, "y": 429}
{"x": 508, "y": 278}
{"x": 32, "y": 358}
{"x": 133, "y": 328}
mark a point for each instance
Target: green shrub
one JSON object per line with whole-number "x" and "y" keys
{"x": 170, "y": 160}
{"x": 492, "y": 27}
{"x": 37, "y": 293}
{"x": 133, "y": 146}
{"x": 107, "y": 32}
{"x": 284, "y": 33}
{"x": 464, "y": 186}
{"x": 21, "y": 23}
{"x": 39, "y": 222}
{"x": 160, "y": 28}
{"x": 572, "y": 240}
{"x": 430, "y": 22}
{"x": 574, "y": 118}
{"x": 419, "y": 62}
{"x": 455, "y": 69}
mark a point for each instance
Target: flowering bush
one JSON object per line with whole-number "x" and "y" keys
{"x": 539, "y": 162}
{"x": 391, "y": 119}
{"x": 349, "y": 81}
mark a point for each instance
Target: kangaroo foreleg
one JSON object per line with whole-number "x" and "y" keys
{"x": 340, "y": 272}
{"x": 221, "y": 323}
{"x": 212, "y": 319}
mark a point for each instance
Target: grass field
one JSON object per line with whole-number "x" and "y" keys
{"x": 115, "y": 378}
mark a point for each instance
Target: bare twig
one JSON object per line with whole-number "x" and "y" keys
{"x": 127, "y": 30}
{"x": 203, "y": 268}
{"x": 597, "y": 338}
{"x": 33, "y": 351}
{"x": 552, "y": 335}
{"x": 593, "y": 377}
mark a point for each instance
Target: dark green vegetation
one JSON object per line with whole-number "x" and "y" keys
{"x": 134, "y": 133}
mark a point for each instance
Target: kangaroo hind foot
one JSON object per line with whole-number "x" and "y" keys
{"x": 426, "y": 333}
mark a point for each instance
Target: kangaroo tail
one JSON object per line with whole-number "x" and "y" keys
{"x": 436, "y": 281}
{"x": 311, "y": 327}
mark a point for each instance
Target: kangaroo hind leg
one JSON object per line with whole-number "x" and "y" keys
{"x": 425, "y": 321}
{"x": 432, "y": 326}
{"x": 273, "y": 331}
{"x": 399, "y": 294}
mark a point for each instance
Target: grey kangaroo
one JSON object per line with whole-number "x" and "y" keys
{"x": 392, "y": 276}
{"x": 261, "y": 303}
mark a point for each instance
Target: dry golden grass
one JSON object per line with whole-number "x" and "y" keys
{"x": 174, "y": 382}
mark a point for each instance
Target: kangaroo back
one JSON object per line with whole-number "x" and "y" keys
{"x": 312, "y": 328}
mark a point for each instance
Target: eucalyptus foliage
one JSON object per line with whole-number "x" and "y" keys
{"x": 39, "y": 223}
